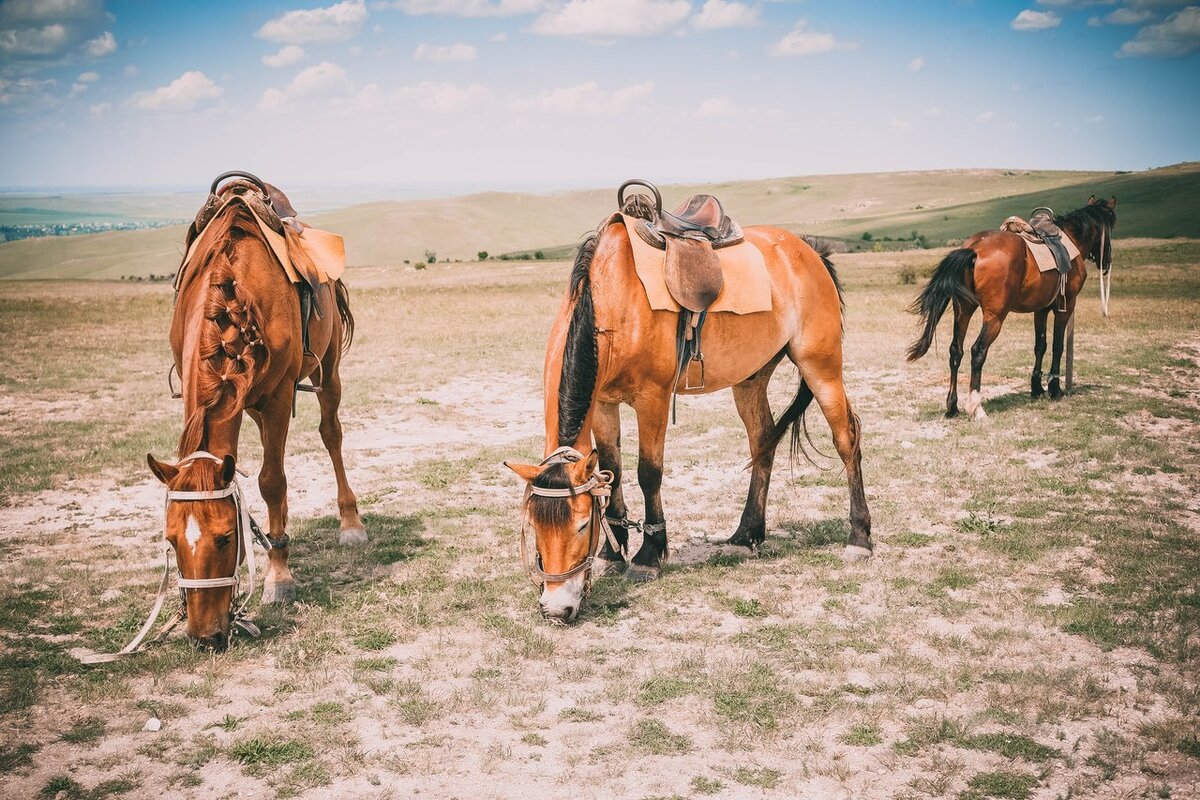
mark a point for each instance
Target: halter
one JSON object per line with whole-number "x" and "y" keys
{"x": 247, "y": 533}
{"x": 598, "y": 485}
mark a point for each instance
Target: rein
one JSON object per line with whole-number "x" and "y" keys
{"x": 247, "y": 533}
{"x": 1105, "y": 274}
{"x": 599, "y": 486}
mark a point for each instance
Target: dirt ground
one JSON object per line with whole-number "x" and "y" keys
{"x": 1029, "y": 626}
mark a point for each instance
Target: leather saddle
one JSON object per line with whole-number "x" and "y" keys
{"x": 690, "y": 235}
{"x": 1041, "y": 229}
{"x": 275, "y": 210}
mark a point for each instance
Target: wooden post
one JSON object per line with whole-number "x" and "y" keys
{"x": 1069, "y": 348}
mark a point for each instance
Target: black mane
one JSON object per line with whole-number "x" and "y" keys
{"x": 580, "y": 362}
{"x": 1087, "y": 222}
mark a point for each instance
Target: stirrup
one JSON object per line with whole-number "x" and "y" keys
{"x": 687, "y": 373}
{"x": 313, "y": 385}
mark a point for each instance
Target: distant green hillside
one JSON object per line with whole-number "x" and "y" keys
{"x": 940, "y": 205}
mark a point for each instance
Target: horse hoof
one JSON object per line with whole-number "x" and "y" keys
{"x": 951, "y": 413}
{"x": 640, "y": 573}
{"x": 279, "y": 592}
{"x": 979, "y": 413}
{"x": 742, "y": 538}
{"x": 352, "y": 536}
{"x": 854, "y": 552}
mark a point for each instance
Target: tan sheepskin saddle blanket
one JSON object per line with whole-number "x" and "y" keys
{"x": 1050, "y": 247}
{"x": 695, "y": 258}
{"x": 308, "y": 255}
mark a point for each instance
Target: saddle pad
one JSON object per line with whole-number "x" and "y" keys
{"x": 322, "y": 255}
{"x": 1043, "y": 256}
{"x": 747, "y": 288}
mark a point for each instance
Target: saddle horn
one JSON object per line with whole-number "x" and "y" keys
{"x": 640, "y": 182}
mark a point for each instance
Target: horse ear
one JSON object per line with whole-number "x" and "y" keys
{"x": 1112, "y": 201}
{"x": 592, "y": 461}
{"x": 227, "y": 469}
{"x": 1092, "y": 200}
{"x": 526, "y": 472}
{"x": 164, "y": 472}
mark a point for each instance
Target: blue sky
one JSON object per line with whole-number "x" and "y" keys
{"x": 478, "y": 94}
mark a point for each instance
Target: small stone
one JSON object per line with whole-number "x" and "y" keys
{"x": 153, "y": 725}
{"x": 1054, "y": 597}
{"x": 906, "y": 444}
{"x": 108, "y": 595}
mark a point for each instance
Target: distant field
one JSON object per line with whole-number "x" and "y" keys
{"x": 940, "y": 206}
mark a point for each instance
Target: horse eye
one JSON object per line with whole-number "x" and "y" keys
{"x": 583, "y": 526}
{"x": 223, "y": 541}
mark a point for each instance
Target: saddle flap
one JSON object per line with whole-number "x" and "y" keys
{"x": 693, "y": 273}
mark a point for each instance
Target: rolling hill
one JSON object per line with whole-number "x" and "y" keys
{"x": 940, "y": 205}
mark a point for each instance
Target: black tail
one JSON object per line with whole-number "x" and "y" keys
{"x": 948, "y": 283}
{"x": 793, "y": 418}
{"x": 343, "y": 306}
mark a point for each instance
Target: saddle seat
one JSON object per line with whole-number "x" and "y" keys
{"x": 700, "y": 215}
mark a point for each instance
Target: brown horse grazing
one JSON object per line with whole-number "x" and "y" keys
{"x": 607, "y": 347}
{"x": 995, "y": 271}
{"x": 238, "y": 346}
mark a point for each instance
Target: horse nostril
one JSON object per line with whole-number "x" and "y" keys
{"x": 568, "y": 612}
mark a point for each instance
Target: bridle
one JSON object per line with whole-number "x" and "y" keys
{"x": 599, "y": 486}
{"x": 247, "y": 533}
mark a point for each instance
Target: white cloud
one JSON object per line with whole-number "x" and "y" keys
{"x": 587, "y": 99}
{"x": 99, "y": 109}
{"x": 917, "y": 64}
{"x": 88, "y": 77}
{"x": 985, "y": 117}
{"x": 715, "y": 14}
{"x": 288, "y": 55}
{"x": 610, "y": 18}
{"x": 446, "y": 52}
{"x": 1126, "y": 16}
{"x": 131, "y": 71}
{"x": 442, "y": 98}
{"x": 189, "y": 90}
{"x": 1029, "y": 20}
{"x": 37, "y": 32}
{"x": 725, "y": 108}
{"x": 1177, "y": 35}
{"x": 498, "y": 37}
{"x": 103, "y": 45}
{"x": 335, "y": 23}
{"x": 471, "y": 8}
{"x": 26, "y": 93}
{"x": 898, "y": 124}
{"x": 324, "y": 79}
{"x": 804, "y": 42}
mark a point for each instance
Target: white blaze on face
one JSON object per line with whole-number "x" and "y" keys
{"x": 192, "y": 533}
{"x": 567, "y": 595}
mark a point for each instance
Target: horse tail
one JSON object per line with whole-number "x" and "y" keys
{"x": 791, "y": 419}
{"x": 343, "y": 306}
{"x": 947, "y": 283}
{"x": 581, "y": 358}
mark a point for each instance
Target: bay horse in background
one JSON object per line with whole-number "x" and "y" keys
{"x": 607, "y": 347}
{"x": 995, "y": 271}
{"x": 238, "y": 345}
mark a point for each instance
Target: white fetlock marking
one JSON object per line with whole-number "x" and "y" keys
{"x": 975, "y": 405}
{"x": 855, "y": 553}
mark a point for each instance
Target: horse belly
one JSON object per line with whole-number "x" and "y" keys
{"x": 735, "y": 346}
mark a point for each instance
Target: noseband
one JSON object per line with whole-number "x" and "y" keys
{"x": 599, "y": 486}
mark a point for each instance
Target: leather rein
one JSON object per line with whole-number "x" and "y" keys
{"x": 247, "y": 533}
{"x": 599, "y": 486}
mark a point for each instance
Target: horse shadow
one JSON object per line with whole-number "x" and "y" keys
{"x": 1011, "y": 401}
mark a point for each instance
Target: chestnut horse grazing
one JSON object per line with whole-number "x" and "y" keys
{"x": 607, "y": 347}
{"x": 238, "y": 345}
{"x": 996, "y": 272}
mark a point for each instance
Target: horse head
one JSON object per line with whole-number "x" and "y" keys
{"x": 205, "y": 529}
{"x": 565, "y": 497}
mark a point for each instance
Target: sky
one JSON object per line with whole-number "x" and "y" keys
{"x": 445, "y": 95}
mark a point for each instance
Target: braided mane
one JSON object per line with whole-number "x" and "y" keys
{"x": 231, "y": 346}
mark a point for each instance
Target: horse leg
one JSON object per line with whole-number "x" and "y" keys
{"x": 273, "y": 420}
{"x": 1060, "y": 328}
{"x": 979, "y": 351}
{"x": 962, "y": 319}
{"x": 755, "y": 410}
{"x": 606, "y": 426}
{"x": 1039, "y": 352}
{"x": 824, "y": 377}
{"x": 652, "y": 435}
{"x": 352, "y": 530}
